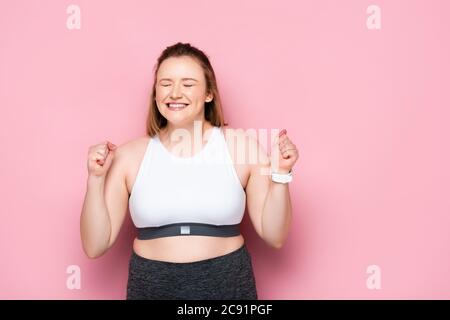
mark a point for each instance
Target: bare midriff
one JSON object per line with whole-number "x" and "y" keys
{"x": 185, "y": 248}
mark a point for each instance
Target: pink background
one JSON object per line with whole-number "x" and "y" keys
{"x": 367, "y": 109}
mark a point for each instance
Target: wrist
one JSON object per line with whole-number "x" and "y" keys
{"x": 95, "y": 180}
{"x": 284, "y": 177}
{"x": 281, "y": 171}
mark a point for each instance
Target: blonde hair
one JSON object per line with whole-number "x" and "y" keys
{"x": 213, "y": 109}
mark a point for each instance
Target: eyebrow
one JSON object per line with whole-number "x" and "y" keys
{"x": 181, "y": 79}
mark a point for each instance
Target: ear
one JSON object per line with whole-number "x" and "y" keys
{"x": 209, "y": 97}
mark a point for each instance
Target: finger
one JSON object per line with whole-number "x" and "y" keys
{"x": 284, "y": 142}
{"x": 278, "y": 138}
{"x": 275, "y": 141}
{"x": 108, "y": 160}
{"x": 96, "y": 157}
{"x": 288, "y": 153}
{"x": 111, "y": 145}
{"x": 101, "y": 152}
{"x": 287, "y": 147}
{"x": 287, "y": 143}
{"x": 290, "y": 148}
{"x": 285, "y": 154}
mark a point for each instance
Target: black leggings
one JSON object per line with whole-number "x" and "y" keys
{"x": 227, "y": 277}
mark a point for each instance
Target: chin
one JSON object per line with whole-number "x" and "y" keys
{"x": 178, "y": 120}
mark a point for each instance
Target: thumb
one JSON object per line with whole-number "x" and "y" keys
{"x": 276, "y": 139}
{"x": 284, "y": 131}
{"x": 275, "y": 142}
{"x": 111, "y": 146}
{"x": 109, "y": 158}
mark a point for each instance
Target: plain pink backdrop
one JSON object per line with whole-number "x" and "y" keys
{"x": 368, "y": 110}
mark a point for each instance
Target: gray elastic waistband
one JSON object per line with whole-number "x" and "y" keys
{"x": 187, "y": 229}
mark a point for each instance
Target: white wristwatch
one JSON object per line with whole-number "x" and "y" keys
{"x": 282, "y": 177}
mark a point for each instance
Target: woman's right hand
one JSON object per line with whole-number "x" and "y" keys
{"x": 100, "y": 157}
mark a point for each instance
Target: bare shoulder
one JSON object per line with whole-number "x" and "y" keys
{"x": 130, "y": 155}
{"x": 129, "y": 148}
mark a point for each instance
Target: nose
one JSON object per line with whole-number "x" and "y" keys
{"x": 176, "y": 92}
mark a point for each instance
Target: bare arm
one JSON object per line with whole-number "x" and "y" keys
{"x": 95, "y": 222}
{"x": 104, "y": 206}
{"x": 269, "y": 203}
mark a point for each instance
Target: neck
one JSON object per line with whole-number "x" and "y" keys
{"x": 193, "y": 129}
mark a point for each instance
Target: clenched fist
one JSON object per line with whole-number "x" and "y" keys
{"x": 100, "y": 157}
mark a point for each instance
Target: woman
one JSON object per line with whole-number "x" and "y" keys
{"x": 187, "y": 206}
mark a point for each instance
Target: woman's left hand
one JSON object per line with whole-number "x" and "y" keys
{"x": 285, "y": 152}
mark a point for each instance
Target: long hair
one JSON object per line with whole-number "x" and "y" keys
{"x": 213, "y": 109}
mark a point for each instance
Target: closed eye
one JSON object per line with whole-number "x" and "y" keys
{"x": 186, "y": 85}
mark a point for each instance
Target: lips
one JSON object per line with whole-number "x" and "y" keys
{"x": 176, "y": 106}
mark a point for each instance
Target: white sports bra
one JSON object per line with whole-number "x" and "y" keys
{"x": 198, "y": 195}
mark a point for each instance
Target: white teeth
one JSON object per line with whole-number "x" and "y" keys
{"x": 177, "y": 105}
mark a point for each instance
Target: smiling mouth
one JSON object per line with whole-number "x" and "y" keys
{"x": 176, "y": 106}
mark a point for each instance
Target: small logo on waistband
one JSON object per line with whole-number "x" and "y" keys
{"x": 185, "y": 230}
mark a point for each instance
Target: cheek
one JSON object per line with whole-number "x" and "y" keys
{"x": 196, "y": 95}
{"x": 160, "y": 94}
